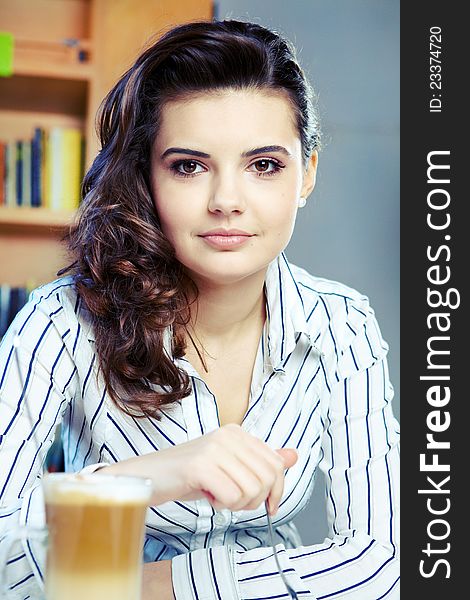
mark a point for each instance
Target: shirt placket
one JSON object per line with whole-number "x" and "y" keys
{"x": 264, "y": 379}
{"x": 200, "y": 416}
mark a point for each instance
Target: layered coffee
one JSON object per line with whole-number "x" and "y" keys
{"x": 96, "y": 529}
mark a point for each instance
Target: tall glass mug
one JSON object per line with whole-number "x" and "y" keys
{"x": 95, "y": 532}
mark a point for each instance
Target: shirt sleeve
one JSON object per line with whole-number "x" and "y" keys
{"x": 360, "y": 459}
{"x": 35, "y": 388}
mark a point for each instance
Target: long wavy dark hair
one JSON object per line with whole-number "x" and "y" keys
{"x": 125, "y": 271}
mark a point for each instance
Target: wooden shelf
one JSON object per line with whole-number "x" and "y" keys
{"x": 38, "y": 219}
{"x": 72, "y": 72}
{"x": 54, "y": 59}
{"x": 43, "y": 95}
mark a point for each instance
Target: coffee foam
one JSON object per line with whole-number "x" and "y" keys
{"x": 78, "y": 489}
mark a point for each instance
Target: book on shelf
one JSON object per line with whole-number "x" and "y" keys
{"x": 65, "y": 165}
{"x": 26, "y": 173}
{"x": 10, "y": 174}
{"x": 12, "y": 300}
{"x": 43, "y": 171}
{"x": 19, "y": 172}
{"x": 37, "y": 153}
{"x": 2, "y": 172}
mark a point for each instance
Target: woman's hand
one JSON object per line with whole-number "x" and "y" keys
{"x": 229, "y": 467}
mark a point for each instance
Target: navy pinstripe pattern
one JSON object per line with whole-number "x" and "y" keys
{"x": 320, "y": 384}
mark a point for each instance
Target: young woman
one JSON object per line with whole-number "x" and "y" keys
{"x": 183, "y": 346}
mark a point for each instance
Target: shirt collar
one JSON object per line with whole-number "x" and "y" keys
{"x": 286, "y": 316}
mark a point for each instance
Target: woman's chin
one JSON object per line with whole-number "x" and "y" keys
{"x": 226, "y": 274}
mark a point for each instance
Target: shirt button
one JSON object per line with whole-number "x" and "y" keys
{"x": 220, "y": 519}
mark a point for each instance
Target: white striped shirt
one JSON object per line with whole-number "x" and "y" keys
{"x": 320, "y": 384}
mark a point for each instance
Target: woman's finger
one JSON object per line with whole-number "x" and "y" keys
{"x": 289, "y": 456}
{"x": 219, "y": 488}
{"x": 254, "y": 480}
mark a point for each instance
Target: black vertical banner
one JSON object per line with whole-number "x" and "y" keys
{"x": 435, "y": 239}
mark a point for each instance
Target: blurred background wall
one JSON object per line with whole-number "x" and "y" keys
{"x": 349, "y": 230}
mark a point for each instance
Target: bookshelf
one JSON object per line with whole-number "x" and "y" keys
{"x": 34, "y": 219}
{"x": 67, "y": 55}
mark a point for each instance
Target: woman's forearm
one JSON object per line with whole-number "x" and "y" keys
{"x": 156, "y": 582}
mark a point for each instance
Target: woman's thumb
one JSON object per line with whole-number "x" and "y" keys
{"x": 289, "y": 455}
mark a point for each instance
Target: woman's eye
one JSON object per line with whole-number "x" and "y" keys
{"x": 186, "y": 168}
{"x": 265, "y": 166}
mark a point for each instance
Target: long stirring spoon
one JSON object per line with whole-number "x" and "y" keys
{"x": 292, "y": 592}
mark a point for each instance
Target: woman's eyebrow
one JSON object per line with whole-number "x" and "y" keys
{"x": 184, "y": 151}
{"x": 247, "y": 154}
{"x": 265, "y": 149}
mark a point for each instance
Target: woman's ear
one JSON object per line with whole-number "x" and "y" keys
{"x": 310, "y": 175}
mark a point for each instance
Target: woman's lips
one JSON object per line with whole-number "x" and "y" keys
{"x": 226, "y": 241}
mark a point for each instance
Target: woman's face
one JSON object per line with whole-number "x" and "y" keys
{"x": 226, "y": 178}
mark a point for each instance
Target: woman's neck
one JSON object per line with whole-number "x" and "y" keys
{"x": 224, "y": 313}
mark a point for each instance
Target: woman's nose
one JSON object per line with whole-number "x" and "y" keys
{"x": 226, "y": 198}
